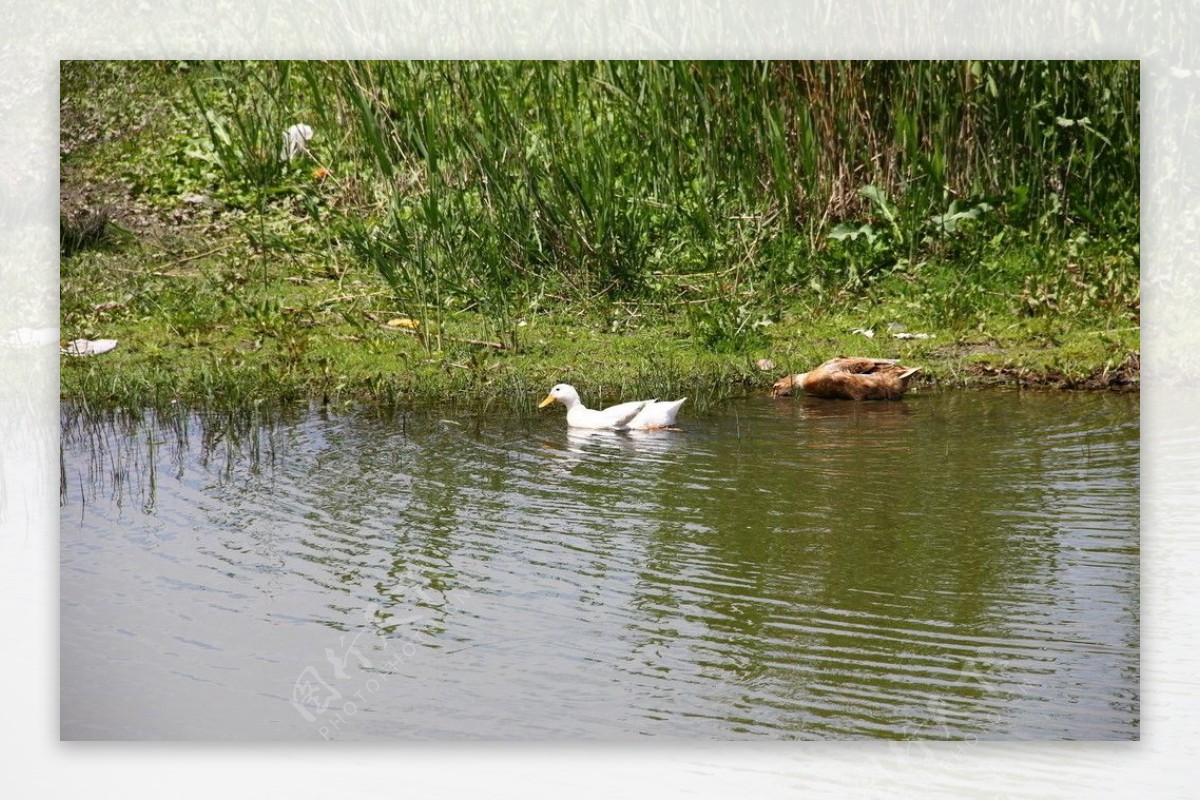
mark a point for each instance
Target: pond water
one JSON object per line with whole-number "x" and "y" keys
{"x": 957, "y": 565}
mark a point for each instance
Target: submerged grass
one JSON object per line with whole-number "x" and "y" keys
{"x": 635, "y": 228}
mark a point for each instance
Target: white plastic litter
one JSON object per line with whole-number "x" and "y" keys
{"x": 295, "y": 140}
{"x": 89, "y": 347}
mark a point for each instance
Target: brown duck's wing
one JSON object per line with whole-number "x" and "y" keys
{"x": 859, "y": 364}
{"x": 881, "y": 385}
{"x": 884, "y": 386}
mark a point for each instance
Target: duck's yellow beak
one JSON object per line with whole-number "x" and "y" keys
{"x": 549, "y": 400}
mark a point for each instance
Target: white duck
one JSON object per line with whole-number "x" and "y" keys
{"x": 647, "y": 414}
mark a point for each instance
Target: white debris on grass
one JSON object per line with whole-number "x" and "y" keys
{"x": 295, "y": 140}
{"x": 869, "y": 333}
{"x": 89, "y": 347}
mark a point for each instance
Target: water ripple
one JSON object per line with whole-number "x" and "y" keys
{"x": 954, "y": 566}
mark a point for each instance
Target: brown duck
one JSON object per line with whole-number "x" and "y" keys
{"x": 852, "y": 378}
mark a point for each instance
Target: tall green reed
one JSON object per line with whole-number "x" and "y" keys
{"x": 498, "y": 187}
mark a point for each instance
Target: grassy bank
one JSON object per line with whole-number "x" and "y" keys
{"x": 634, "y": 228}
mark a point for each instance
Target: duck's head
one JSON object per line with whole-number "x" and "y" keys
{"x": 563, "y": 393}
{"x": 788, "y": 384}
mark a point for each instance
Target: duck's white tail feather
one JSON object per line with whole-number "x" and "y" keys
{"x": 657, "y": 414}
